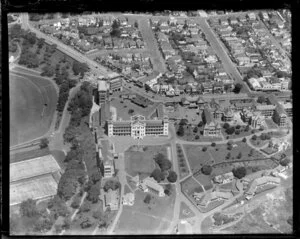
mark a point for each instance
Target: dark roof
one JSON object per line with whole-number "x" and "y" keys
{"x": 207, "y": 115}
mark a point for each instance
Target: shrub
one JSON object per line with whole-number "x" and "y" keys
{"x": 197, "y": 137}
{"x": 285, "y": 162}
{"x": 213, "y": 144}
{"x": 44, "y": 143}
{"x": 239, "y": 172}
{"x": 147, "y": 199}
{"x": 28, "y": 208}
{"x": 172, "y": 177}
{"x": 239, "y": 155}
{"x": 244, "y": 140}
{"x": 76, "y": 202}
{"x": 206, "y": 169}
{"x": 226, "y": 126}
{"x": 254, "y": 137}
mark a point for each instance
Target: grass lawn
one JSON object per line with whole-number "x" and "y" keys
{"x": 204, "y": 180}
{"x": 28, "y": 96}
{"x": 122, "y": 108}
{"x": 190, "y": 135}
{"x": 196, "y": 157}
{"x": 127, "y": 189}
{"x": 142, "y": 161}
{"x": 59, "y": 156}
{"x": 271, "y": 124}
{"x": 17, "y": 157}
{"x": 190, "y": 185}
{"x": 130, "y": 183}
{"x": 146, "y": 218}
{"x": 185, "y": 211}
{"x": 269, "y": 150}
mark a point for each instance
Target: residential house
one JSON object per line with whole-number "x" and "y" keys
{"x": 207, "y": 87}
{"x": 228, "y": 115}
{"x": 257, "y": 120}
{"x": 280, "y": 117}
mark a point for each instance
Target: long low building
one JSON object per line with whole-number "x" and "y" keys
{"x": 33, "y": 167}
{"x": 138, "y": 127}
{"x": 41, "y": 187}
{"x": 35, "y": 178}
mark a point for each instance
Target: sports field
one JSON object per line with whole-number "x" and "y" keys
{"x": 32, "y": 106}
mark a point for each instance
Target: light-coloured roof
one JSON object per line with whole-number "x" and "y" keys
{"x": 102, "y": 85}
{"x": 36, "y": 188}
{"x": 33, "y": 167}
{"x": 151, "y": 183}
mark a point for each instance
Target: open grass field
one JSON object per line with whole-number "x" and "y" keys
{"x": 204, "y": 180}
{"x": 190, "y": 185}
{"x": 29, "y": 117}
{"x": 144, "y": 218}
{"x": 21, "y": 156}
{"x": 141, "y": 160}
{"x": 185, "y": 211}
{"x": 196, "y": 157}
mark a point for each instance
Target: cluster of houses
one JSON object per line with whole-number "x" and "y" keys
{"x": 268, "y": 84}
{"x": 89, "y": 33}
{"x": 250, "y": 112}
{"x": 249, "y": 44}
{"x": 275, "y": 21}
{"x": 203, "y": 61}
{"x": 132, "y": 65}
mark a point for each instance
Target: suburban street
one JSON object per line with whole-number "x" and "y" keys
{"x": 95, "y": 67}
{"x": 151, "y": 43}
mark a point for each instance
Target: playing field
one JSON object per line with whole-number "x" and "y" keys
{"x": 32, "y": 105}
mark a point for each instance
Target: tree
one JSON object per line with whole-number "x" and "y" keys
{"x": 76, "y": 202}
{"x": 43, "y": 224}
{"x": 79, "y": 68}
{"x": 226, "y": 126}
{"x": 213, "y": 144}
{"x": 247, "y": 128}
{"x": 48, "y": 70}
{"x": 85, "y": 207}
{"x": 237, "y": 88}
{"x": 86, "y": 222}
{"x": 44, "y": 143}
{"x": 254, "y": 137}
{"x": 261, "y": 99}
{"x": 28, "y": 208}
{"x": 206, "y": 169}
{"x": 168, "y": 189}
{"x": 230, "y": 147}
{"x": 284, "y": 162}
{"x": 111, "y": 184}
{"x": 95, "y": 177}
{"x": 244, "y": 140}
{"x": 180, "y": 131}
{"x": 228, "y": 155}
{"x": 239, "y": 155}
{"x": 58, "y": 207}
{"x": 195, "y": 129}
{"x": 147, "y": 199}
{"x": 239, "y": 172}
{"x": 172, "y": 177}
{"x": 200, "y": 124}
{"x": 130, "y": 111}
{"x": 162, "y": 162}
{"x": 136, "y": 25}
{"x": 93, "y": 193}
{"x": 230, "y": 130}
{"x": 157, "y": 175}
{"x": 204, "y": 148}
{"x": 183, "y": 122}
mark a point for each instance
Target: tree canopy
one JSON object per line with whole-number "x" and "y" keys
{"x": 206, "y": 169}
{"x": 239, "y": 172}
{"x": 28, "y": 208}
{"x": 172, "y": 177}
{"x": 162, "y": 162}
{"x": 158, "y": 175}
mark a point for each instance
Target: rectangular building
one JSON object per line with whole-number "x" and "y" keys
{"x": 103, "y": 91}
{"x": 138, "y": 127}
